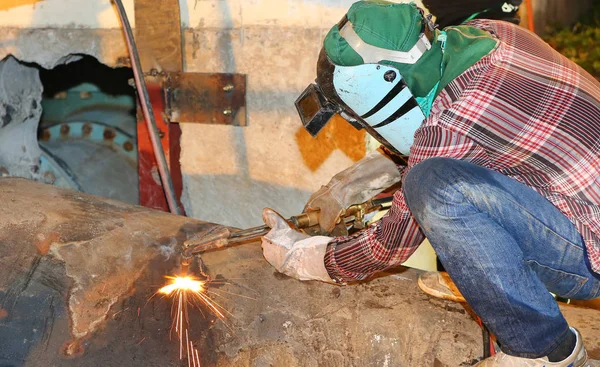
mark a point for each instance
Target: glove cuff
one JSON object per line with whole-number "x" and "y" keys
{"x": 307, "y": 260}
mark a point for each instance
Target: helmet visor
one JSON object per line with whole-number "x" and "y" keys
{"x": 373, "y": 96}
{"x": 314, "y": 109}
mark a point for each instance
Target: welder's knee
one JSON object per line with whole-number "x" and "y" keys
{"x": 427, "y": 185}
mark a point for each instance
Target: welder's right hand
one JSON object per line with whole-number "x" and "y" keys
{"x": 354, "y": 185}
{"x": 294, "y": 253}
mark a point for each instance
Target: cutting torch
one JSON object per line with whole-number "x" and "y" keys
{"x": 352, "y": 218}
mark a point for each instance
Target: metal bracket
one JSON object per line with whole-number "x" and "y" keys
{"x": 206, "y": 98}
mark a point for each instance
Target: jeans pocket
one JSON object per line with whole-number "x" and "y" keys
{"x": 559, "y": 282}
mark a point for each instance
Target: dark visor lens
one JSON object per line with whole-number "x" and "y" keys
{"x": 309, "y": 104}
{"x": 314, "y": 109}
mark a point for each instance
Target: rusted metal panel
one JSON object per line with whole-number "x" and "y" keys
{"x": 207, "y": 98}
{"x": 158, "y": 34}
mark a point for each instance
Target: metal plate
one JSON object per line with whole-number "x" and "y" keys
{"x": 207, "y": 98}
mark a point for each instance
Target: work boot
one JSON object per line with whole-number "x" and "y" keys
{"x": 578, "y": 358}
{"x": 438, "y": 284}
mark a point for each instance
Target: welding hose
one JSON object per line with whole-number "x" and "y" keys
{"x": 140, "y": 84}
{"x": 487, "y": 342}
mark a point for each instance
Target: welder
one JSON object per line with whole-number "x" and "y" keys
{"x": 502, "y": 135}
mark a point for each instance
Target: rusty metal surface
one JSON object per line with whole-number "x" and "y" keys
{"x": 77, "y": 275}
{"x": 151, "y": 191}
{"x": 101, "y": 242}
{"x": 158, "y": 34}
{"x": 207, "y": 98}
{"x": 67, "y": 261}
{"x": 159, "y": 44}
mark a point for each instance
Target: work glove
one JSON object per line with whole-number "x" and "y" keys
{"x": 354, "y": 185}
{"x": 293, "y": 253}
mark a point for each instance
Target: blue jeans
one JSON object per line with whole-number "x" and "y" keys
{"x": 505, "y": 246}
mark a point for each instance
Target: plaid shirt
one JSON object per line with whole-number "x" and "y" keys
{"x": 523, "y": 110}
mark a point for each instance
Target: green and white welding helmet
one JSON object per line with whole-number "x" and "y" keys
{"x": 371, "y": 94}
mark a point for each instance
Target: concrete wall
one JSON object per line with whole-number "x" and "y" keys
{"x": 222, "y": 14}
{"x": 60, "y": 13}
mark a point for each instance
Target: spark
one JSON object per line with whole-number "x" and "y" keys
{"x": 186, "y": 291}
{"x": 182, "y": 290}
{"x": 183, "y": 284}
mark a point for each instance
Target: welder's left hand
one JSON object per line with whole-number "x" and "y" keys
{"x": 294, "y": 253}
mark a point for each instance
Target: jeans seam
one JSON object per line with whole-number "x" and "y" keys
{"x": 530, "y": 215}
{"x": 569, "y": 242}
{"x": 556, "y": 342}
{"x": 580, "y": 279}
{"x": 596, "y": 289}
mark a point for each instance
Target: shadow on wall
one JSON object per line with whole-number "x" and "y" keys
{"x": 240, "y": 194}
{"x": 229, "y": 64}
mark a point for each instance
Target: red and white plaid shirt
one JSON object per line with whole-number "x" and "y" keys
{"x": 525, "y": 111}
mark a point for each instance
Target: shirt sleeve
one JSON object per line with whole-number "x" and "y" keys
{"x": 390, "y": 241}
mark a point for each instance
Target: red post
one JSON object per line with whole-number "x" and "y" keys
{"x": 151, "y": 191}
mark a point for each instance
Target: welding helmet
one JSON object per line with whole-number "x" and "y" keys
{"x": 372, "y": 93}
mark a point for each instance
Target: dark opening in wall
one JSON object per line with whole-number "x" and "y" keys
{"x": 88, "y": 128}
{"x": 111, "y": 81}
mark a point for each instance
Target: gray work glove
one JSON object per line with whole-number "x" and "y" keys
{"x": 354, "y": 185}
{"x": 293, "y": 253}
